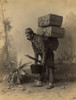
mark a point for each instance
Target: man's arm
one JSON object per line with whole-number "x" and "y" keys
{"x": 36, "y": 57}
{"x": 44, "y": 51}
{"x": 43, "y": 57}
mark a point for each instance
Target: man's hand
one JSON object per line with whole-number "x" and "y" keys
{"x": 42, "y": 64}
{"x": 36, "y": 62}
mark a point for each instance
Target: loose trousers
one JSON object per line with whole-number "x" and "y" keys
{"x": 49, "y": 69}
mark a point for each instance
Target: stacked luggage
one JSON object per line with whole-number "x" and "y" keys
{"x": 50, "y": 26}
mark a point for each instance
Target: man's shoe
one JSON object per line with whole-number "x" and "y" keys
{"x": 38, "y": 84}
{"x": 50, "y": 86}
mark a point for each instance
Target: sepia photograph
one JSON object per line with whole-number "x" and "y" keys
{"x": 37, "y": 50}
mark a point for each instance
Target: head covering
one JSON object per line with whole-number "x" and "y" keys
{"x": 28, "y": 31}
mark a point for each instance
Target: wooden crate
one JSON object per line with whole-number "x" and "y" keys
{"x": 50, "y": 20}
{"x": 51, "y": 31}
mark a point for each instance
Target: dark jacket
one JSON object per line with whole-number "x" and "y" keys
{"x": 41, "y": 47}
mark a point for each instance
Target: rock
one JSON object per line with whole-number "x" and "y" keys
{"x": 74, "y": 98}
{"x": 19, "y": 86}
{"x": 63, "y": 87}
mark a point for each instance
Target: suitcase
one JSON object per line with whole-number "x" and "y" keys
{"x": 50, "y": 20}
{"x": 57, "y": 32}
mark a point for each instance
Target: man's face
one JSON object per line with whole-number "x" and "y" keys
{"x": 29, "y": 36}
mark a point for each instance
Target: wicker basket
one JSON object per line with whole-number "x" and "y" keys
{"x": 36, "y": 68}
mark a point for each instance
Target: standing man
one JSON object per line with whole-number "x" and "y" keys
{"x": 41, "y": 47}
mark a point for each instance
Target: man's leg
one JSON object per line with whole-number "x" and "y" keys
{"x": 51, "y": 75}
{"x": 41, "y": 77}
{"x": 42, "y": 74}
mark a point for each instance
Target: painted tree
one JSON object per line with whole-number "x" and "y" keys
{"x": 10, "y": 55}
{"x": 6, "y": 26}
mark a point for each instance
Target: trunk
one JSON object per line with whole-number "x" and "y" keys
{"x": 6, "y": 39}
{"x": 51, "y": 31}
{"x": 50, "y": 20}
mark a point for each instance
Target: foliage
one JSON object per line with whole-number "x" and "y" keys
{"x": 7, "y": 24}
{"x": 17, "y": 75}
